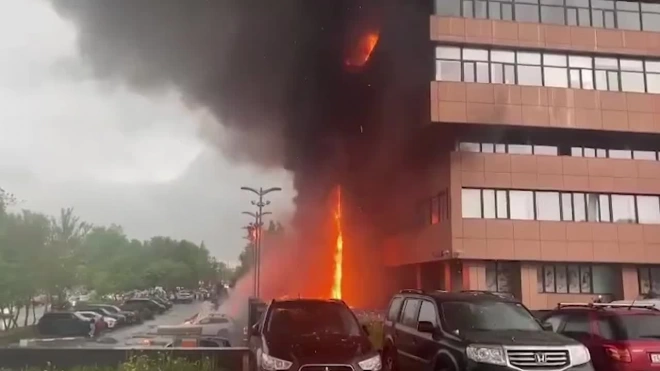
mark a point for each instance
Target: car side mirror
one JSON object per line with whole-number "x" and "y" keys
{"x": 546, "y": 326}
{"x": 366, "y": 329}
{"x": 255, "y": 330}
{"x": 426, "y": 327}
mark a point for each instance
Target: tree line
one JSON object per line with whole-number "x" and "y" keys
{"x": 42, "y": 255}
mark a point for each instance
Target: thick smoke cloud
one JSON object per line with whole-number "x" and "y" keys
{"x": 253, "y": 63}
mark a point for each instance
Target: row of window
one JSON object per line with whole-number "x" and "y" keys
{"x": 649, "y": 280}
{"x": 560, "y": 206}
{"x": 547, "y": 69}
{"x": 555, "y": 278}
{"x": 412, "y": 311}
{"x": 627, "y": 15}
{"x": 534, "y": 149}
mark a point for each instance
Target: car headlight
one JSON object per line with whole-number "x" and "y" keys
{"x": 491, "y": 354}
{"x": 371, "y": 364}
{"x": 274, "y": 364}
{"x": 579, "y": 354}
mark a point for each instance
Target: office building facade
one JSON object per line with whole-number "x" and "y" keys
{"x": 548, "y": 180}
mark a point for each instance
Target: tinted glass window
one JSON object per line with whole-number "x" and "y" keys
{"x": 554, "y": 321}
{"x": 296, "y": 319}
{"x": 640, "y": 326}
{"x": 409, "y": 316}
{"x": 577, "y": 325}
{"x": 427, "y": 313}
{"x": 606, "y": 329}
{"x": 488, "y": 316}
{"x": 395, "y": 307}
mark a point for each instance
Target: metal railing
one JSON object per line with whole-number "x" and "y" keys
{"x": 67, "y": 358}
{"x": 608, "y": 305}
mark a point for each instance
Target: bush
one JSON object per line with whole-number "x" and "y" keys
{"x": 144, "y": 363}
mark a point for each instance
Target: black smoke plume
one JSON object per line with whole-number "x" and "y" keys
{"x": 273, "y": 74}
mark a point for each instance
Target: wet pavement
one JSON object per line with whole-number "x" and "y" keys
{"x": 175, "y": 316}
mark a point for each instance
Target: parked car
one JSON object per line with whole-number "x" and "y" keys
{"x": 132, "y": 317}
{"x": 315, "y": 334}
{"x": 212, "y": 325}
{"x": 120, "y": 319}
{"x": 164, "y": 302}
{"x": 183, "y": 296}
{"x": 63, "y": 324}
{"x": 472, "y": 331}
{"x": 143, "y": 303}
{"x": 102, "y": 323}
{"x": 619, "y": 336}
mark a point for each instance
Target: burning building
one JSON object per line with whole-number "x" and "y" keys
{"x": 488, "y": 145}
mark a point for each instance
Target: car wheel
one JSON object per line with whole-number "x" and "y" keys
{"x": 444, "y": 365}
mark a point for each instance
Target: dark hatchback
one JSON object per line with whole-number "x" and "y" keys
{"x": 311, "y": 335}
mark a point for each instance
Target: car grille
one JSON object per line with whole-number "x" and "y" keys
{"x": 538, "y": 359}
{"x": 326, "y": 368}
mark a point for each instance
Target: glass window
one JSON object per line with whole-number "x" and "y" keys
{"x": 487, "y": 148}
{"x": 547, "y": 206}
{"x": 601, "y": 153}
{"x": 504, "y": 56}
{"x": 409, "y": 316}
{"x": 521, "y": 149}
{"x": 579, "y": 207}
{"x": 502, "y": 204}
{"x": 552, "y": 14}
{"x": 653, "y": 83}
{"x": 589, "y": 152}
{"x": 554, "y": 321}
{"x": 448, "y": 8}
{"x": 435, "y": 208}
{"x": 545, "y": 150}
{"x": 527, "y": 13}
{"x": 448, "y": 70}
{"x": 604, "y": 278}
{"x": 576, "y": 151}
{"x": 448, "y": 52}
{"x": 556, "y": 77}
{"x": 529, "y": 75}
{"x": 471, "y": 203}
{"x": 593, "y": 211}
{"x": 489, "y": 203}
{"x": 644, "y": 155}
{"x": 469, "y": 147}
{"x": 648, "y": 209}
{"x": 585, "y": 279}
{"x": 521, "y": 204}
{"x": 573, "y": 279}
{"x": 577, "y": 325}
{"x": 500, "y": 148}
{"x": 395, "y": 308}
{"x": 620, "y": 153}
{"x": 632, "y": 81}
{"x": 623, "y": 209}
{"x": 604, "y": 206}
{"x": 566, "y": 207}
{"x": 428, "y": 313}
{"x": 561, "y": 279}
{"x": 549, "y": 278}
{"x": 605, "y": 328}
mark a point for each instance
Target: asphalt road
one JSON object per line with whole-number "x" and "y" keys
{"x": 175, "y": 316}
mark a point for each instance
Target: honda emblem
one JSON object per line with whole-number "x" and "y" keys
{"x": 540, "y": 357}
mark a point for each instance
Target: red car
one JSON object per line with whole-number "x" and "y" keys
{"x": 618, "y": 336}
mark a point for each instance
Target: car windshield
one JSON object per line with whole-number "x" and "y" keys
{"x": 111, "y": 309}
{"x": 640, "y": 326}
{"x": 488, "y": 316}
{"x": 320, "y": 318}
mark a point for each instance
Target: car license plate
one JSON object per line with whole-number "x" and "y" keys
{"x": 655, "y": 357}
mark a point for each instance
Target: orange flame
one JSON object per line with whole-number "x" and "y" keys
{"x": 339, "y": 250}
{"x": 363, "y": 50}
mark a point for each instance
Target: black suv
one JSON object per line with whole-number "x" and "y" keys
{"x": 65, "y": 324}
{"x": 473, "y": 331}
{"x": 311, "y": 335}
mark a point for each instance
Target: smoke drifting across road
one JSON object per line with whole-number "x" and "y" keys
{"x": 274, "y": 74}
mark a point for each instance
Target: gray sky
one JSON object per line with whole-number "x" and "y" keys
{"x": 114, "y": 155}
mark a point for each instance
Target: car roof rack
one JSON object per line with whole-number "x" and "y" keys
{"x": 486, "y": 292}
{"x": 607, "y": 305}
{"x": 412, "y": 291}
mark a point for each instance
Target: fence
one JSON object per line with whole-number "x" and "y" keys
{"x": 66, "y": 358}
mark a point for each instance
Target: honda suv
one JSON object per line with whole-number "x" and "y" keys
{"x": 619, "y": 337}
{"x": 311, "y": 335}
{"x": 472, "y": 331}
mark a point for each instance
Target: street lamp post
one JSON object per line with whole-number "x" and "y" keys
{"x": 258, "y": 224}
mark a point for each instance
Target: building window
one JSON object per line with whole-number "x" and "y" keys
{"x": 435, "y": 209}
{"x": 574, "y": 279}
{"x": 500, "y": 276}
{"x": 560, "y": 206}
{"x": 615, "y": 14}
{"x": 649, "y": 279}
{"x": 547, "y": 69}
